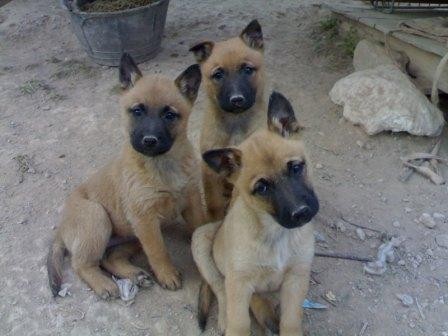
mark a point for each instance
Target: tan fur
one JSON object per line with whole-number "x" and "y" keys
{"x": 220, "y": 128}
{"x": 251, "y": 253}
{"x": 134, "y": 195}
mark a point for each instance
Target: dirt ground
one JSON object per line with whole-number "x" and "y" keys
{"x": 60, "y": 121}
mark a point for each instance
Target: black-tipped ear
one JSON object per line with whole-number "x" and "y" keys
{"x": 252, "y": 35}
{"x": 202, "y": 50}
{"x": 129, "y": 71}
{"x": 224, "y": 161}
{"x": 189, "y": 81}
{"x": 281, "y": 117}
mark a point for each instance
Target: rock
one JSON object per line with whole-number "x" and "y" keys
{"x": 427, "y": 220}
{"x": 384, "y": 99}
{"x": 405, "y": 299}
{"x": 438, "y": 216}
{"x": 360, "y": 144}
{"x": 407, "y": 209}
{"x": 361, "y": 234}
{"x": 442, "y": 240}
{"x": 369, "y": 55}
{"x": 319, "y": 166}
{"x": 401, "y": 262}
{"x": 396, "y": 224}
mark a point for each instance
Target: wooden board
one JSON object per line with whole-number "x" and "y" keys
{"x": 424, "y": 53}
{"x": 384, "y": 23}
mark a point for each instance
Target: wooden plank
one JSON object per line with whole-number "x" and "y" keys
{"x": 384, "y": 23}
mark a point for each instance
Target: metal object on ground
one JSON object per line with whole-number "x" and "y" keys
{"x": 106, "y": 35}
{"x": 390, "y": 6}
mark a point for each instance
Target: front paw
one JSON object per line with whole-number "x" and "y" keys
{"x": 169, "y": 278}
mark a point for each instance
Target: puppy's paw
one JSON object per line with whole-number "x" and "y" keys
{"x": 107, "y": 290}
{"x": 169, "y": 278}
{"x": 144, "y": 280}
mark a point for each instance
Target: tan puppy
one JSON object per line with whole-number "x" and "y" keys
{"x": 266, "y": 241}
{"x": 233, "y": 77}
{"x": 152, "y": 181}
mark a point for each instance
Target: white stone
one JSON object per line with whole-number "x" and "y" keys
{"x": 361, "y": 234}
{"x": 384, "y": 99}
{"x": 427, "y": 220}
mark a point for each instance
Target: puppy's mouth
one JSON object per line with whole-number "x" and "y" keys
{"x": 288, "y": 224}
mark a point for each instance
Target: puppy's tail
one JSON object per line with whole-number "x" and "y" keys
{"x": 55, "y": 261}
{"x": 204, "y": 302}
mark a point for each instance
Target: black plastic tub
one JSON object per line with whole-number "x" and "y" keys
{"x": 106, "y": 35}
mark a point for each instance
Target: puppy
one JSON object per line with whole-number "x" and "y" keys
{"x": 151, "y": 182}
{"x": 233, "y": 77}
{"x": 265, "y": 242}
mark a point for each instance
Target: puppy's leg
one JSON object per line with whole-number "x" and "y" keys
{"x": 87, "y": 229}
{"x": 293, "y": 293}
{"x": 150, "y": 236}
{"x": 201, "y": 247}
{"x": 117, "y": 263}
{"x": 194, "y": 214}
{"x": 238, "y": 296}
{"x": 264, "y": 313}
{"x": 216, "y": 195}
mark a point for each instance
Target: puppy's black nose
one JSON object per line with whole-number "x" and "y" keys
{"x": 300, "y": 213}
{"x": 149, "y": 140}
{"x": 237, "y": 100}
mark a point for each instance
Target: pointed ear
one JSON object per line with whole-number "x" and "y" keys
{"x": 224, "y": 161}
{"x": 252, "y": 35}
{"x": 281, "y": 117}
{"x": 129, "y": 72}
{"x": 189, "y": 81}
{"x": 202, "y": 50}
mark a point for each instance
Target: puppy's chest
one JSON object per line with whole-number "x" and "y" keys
{"x": 172, "y": 177}
{"x": 279, "y": 253}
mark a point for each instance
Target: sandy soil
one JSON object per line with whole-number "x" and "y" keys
{"x": 60, "y": 122}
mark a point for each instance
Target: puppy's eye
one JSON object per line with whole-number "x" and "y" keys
{"x": 295, "y": 167}
{"x": 248, "y": 70}
{"x": 169, "y": 114}
{"x": 261, "y": 187}
{"x": 218, "y": 74}
{"x": 138, "y": 111}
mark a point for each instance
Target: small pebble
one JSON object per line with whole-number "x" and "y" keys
{"x": 442, "y": 240}
{"x": 427, "y": 220}
{"x": 405, "y": 299}
{"x": 401, "y": 262}
{"x": 360, "y": 143}
{"x": 319, "y": 166}
{"x": 407, "y": 210}
{"x": 396, "y": 224}
{"x": 361, "y": 234}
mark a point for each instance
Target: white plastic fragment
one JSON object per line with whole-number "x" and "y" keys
{"x": 65, "y": 290}
{"x": 127, "y": 289}
{"x": 385, "y": 254}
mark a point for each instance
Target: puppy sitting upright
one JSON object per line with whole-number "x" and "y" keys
{"x": 153, "y": 181}
{"x": 233, "y": 76}
{"x": 264, "y": 243}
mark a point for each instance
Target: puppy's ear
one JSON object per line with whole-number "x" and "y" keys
{"x": 189, "y": 81}
{"x": 252, "y": 35}
{"x": 281, "y": 117}
{"x": 224, "y": 161}
{"x": 202, "y": 51}
{"x": 129, "y": 71}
